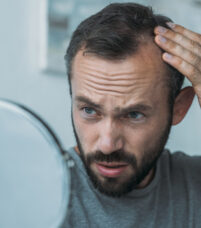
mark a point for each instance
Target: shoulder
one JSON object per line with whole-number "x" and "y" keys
{"x": 180, "y": 182}
{"x": 183, "y": 167}
{"x": 185, "y": 162}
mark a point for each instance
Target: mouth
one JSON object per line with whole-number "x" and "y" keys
{"x": 111, "y": 169}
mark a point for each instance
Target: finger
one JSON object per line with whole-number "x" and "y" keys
{"x": 178, "y": 50}
{"x": 185, "y": 68}
{"x": 191, "y": 45}
{"x": 185, "y": 32}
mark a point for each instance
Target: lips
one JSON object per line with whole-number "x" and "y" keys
{"x": 113, "y": 169}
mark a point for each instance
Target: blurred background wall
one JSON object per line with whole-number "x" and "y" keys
{"x": 26, "y": 75}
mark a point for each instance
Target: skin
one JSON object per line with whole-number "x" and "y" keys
{"x": 122, "y": 105}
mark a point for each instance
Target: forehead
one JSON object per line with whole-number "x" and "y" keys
{"x": 137, "y": 77}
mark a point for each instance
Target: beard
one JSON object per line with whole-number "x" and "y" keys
{"x": 116, "y": 187}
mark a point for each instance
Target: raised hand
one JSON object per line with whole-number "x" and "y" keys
{"x": 182, "y": 51}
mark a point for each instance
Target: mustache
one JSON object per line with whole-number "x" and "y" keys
{"x": 116, "y": 156}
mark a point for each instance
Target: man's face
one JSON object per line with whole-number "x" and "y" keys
{"x": 121, "y": 117}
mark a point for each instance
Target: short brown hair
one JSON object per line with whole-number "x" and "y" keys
{"x": 113, "y": 33}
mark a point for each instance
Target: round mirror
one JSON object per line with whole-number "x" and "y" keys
{"x": 34, "y": 174}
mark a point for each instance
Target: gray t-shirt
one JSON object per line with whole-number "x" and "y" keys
{"x": 172, "y": 199}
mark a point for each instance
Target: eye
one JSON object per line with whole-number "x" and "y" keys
{"x": 89, "y": 111}
{"x": 135, "y": 115}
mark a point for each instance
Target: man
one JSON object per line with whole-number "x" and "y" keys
{"x": 125, "y": 75}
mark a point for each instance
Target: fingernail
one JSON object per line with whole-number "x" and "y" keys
{"x": 161, "y": 29}
{"x": 170, "y": 24}
{"x": 167, "y": 56}
{"x": 162, "y": 39}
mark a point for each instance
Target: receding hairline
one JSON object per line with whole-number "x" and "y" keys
{"x": 146, "y": 40}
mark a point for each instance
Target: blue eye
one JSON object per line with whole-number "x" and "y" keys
{"x": 135, "y": 115}
{"x": 89, "y": 111}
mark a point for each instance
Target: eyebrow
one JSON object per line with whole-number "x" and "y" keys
{"x": 88, "y": 101}
{"x": 117, "y": 110}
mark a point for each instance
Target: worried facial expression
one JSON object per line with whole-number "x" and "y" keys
{"x": 121, "y": 117}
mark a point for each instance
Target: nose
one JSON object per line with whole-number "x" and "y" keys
{"x": 110, "y": 137}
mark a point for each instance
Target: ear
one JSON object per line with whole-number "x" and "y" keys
{"x": 182, "y": 103}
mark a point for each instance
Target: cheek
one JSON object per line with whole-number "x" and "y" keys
{"x": 143, "y": 138}
{"x": 87, "y": 133}
{"x": 137, "y": 139}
